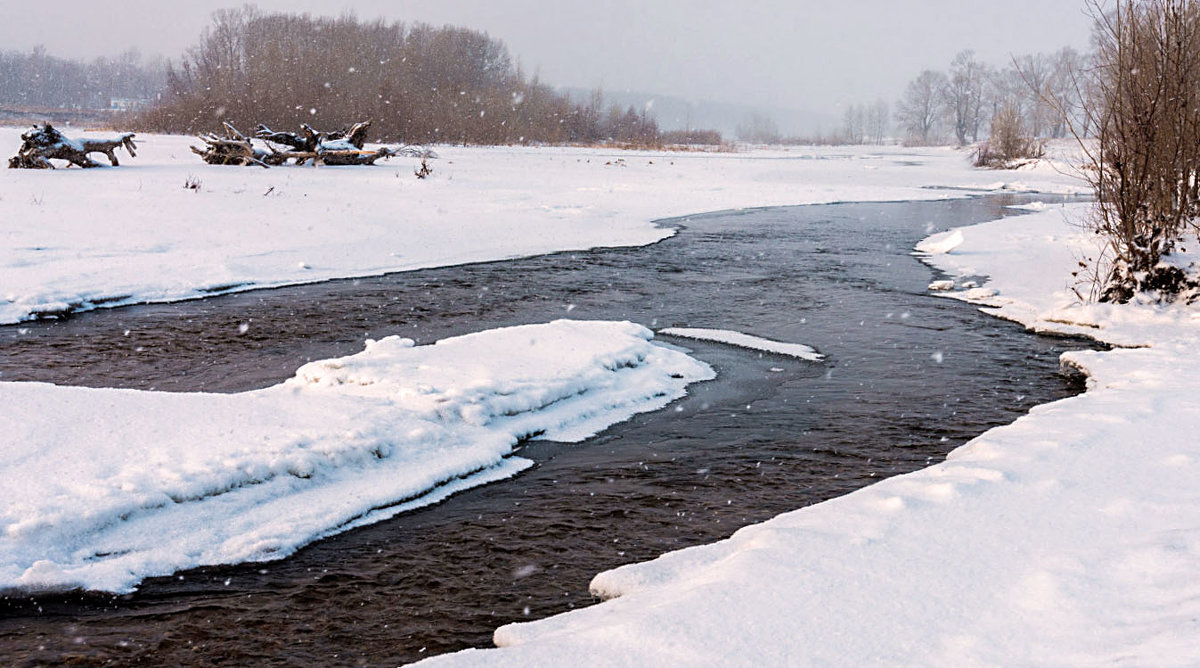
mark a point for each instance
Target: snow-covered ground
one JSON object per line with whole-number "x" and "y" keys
{"x": 74, "y": 239}
{"x": 1071, "y": 536}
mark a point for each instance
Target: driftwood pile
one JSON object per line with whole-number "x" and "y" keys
{"x": 235, "y": 149}
{"x": 343, "y": 147}
{"x": 43, "y": 143}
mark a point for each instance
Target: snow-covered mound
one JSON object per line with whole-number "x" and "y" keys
{"x": 104, "y": 487}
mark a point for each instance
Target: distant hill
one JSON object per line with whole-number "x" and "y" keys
{"x": 674, "y": 113}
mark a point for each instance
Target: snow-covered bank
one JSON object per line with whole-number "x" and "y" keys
{"x": 1069, "y": 537}
{"x": 77, "y": 239}
{"x": 103, "y": 488}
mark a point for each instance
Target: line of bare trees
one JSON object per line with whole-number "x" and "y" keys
{"x": 861, "y": 124}
{"x": 417, "y": 83}
{"x": 37, "y": 79}
{"x": 963, "y": 103}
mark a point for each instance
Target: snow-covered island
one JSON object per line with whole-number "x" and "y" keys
{"x": 105, "y": 487}
{"x": 1071, "y": 536}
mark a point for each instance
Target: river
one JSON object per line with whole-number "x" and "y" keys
{"x": 908, "y": 376}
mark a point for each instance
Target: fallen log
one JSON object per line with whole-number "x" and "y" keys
{"x": 43, "y": 143}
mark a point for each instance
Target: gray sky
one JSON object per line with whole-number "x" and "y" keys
{"x": 800, "y": 54}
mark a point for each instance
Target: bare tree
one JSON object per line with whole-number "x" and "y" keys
{"x": 964, "y": 97}
{"x": 1035, "y": 72}
{"x": 854, "y": 125}
{"x": 1065, "y": 98}
{"x": 37, "y": 79}
{"x": 417, "y": 83}
{"x": 879, "y": 118}
{"x": 1009, "y": 144}
{"x": 920, "y": 109}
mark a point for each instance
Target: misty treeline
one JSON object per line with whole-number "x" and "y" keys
{"x": 416, "y": 83}
{"x": 861, "y": 124}
{"x": 972, "y": 100}
{"x": 39, "y": 80}
{"x": 1008, "y": 107}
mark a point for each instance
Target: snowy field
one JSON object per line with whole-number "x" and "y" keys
{"x": 1069, "y": 537}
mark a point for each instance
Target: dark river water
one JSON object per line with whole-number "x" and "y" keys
{"x": 907, "y": 378}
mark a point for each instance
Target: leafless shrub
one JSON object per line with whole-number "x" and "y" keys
{"x": 1144, "y": 108}
{"x": 1010, "y": 145}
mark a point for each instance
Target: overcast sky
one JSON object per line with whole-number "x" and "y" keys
{"x": 799, "y": 54}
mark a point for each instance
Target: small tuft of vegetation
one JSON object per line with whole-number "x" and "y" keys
{"x": 1009, "y": 146}
{"x": 424, "y": 170}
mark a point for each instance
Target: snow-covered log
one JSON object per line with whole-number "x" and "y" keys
{"x": 43, "y": 143}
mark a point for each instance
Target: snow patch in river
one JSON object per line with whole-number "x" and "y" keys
{"x": 745, "y": 341}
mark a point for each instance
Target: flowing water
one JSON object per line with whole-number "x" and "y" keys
{"x": 907, "y": 377}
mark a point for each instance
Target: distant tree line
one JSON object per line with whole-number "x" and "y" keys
{"x": 693, "y": 137}
{"x": 965, "y": 103}
{"x": 37, "y": 79}
{"x": 759, "y": 128}
{"x": 865, "y": 124}
{"x": 417, "y": 83}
